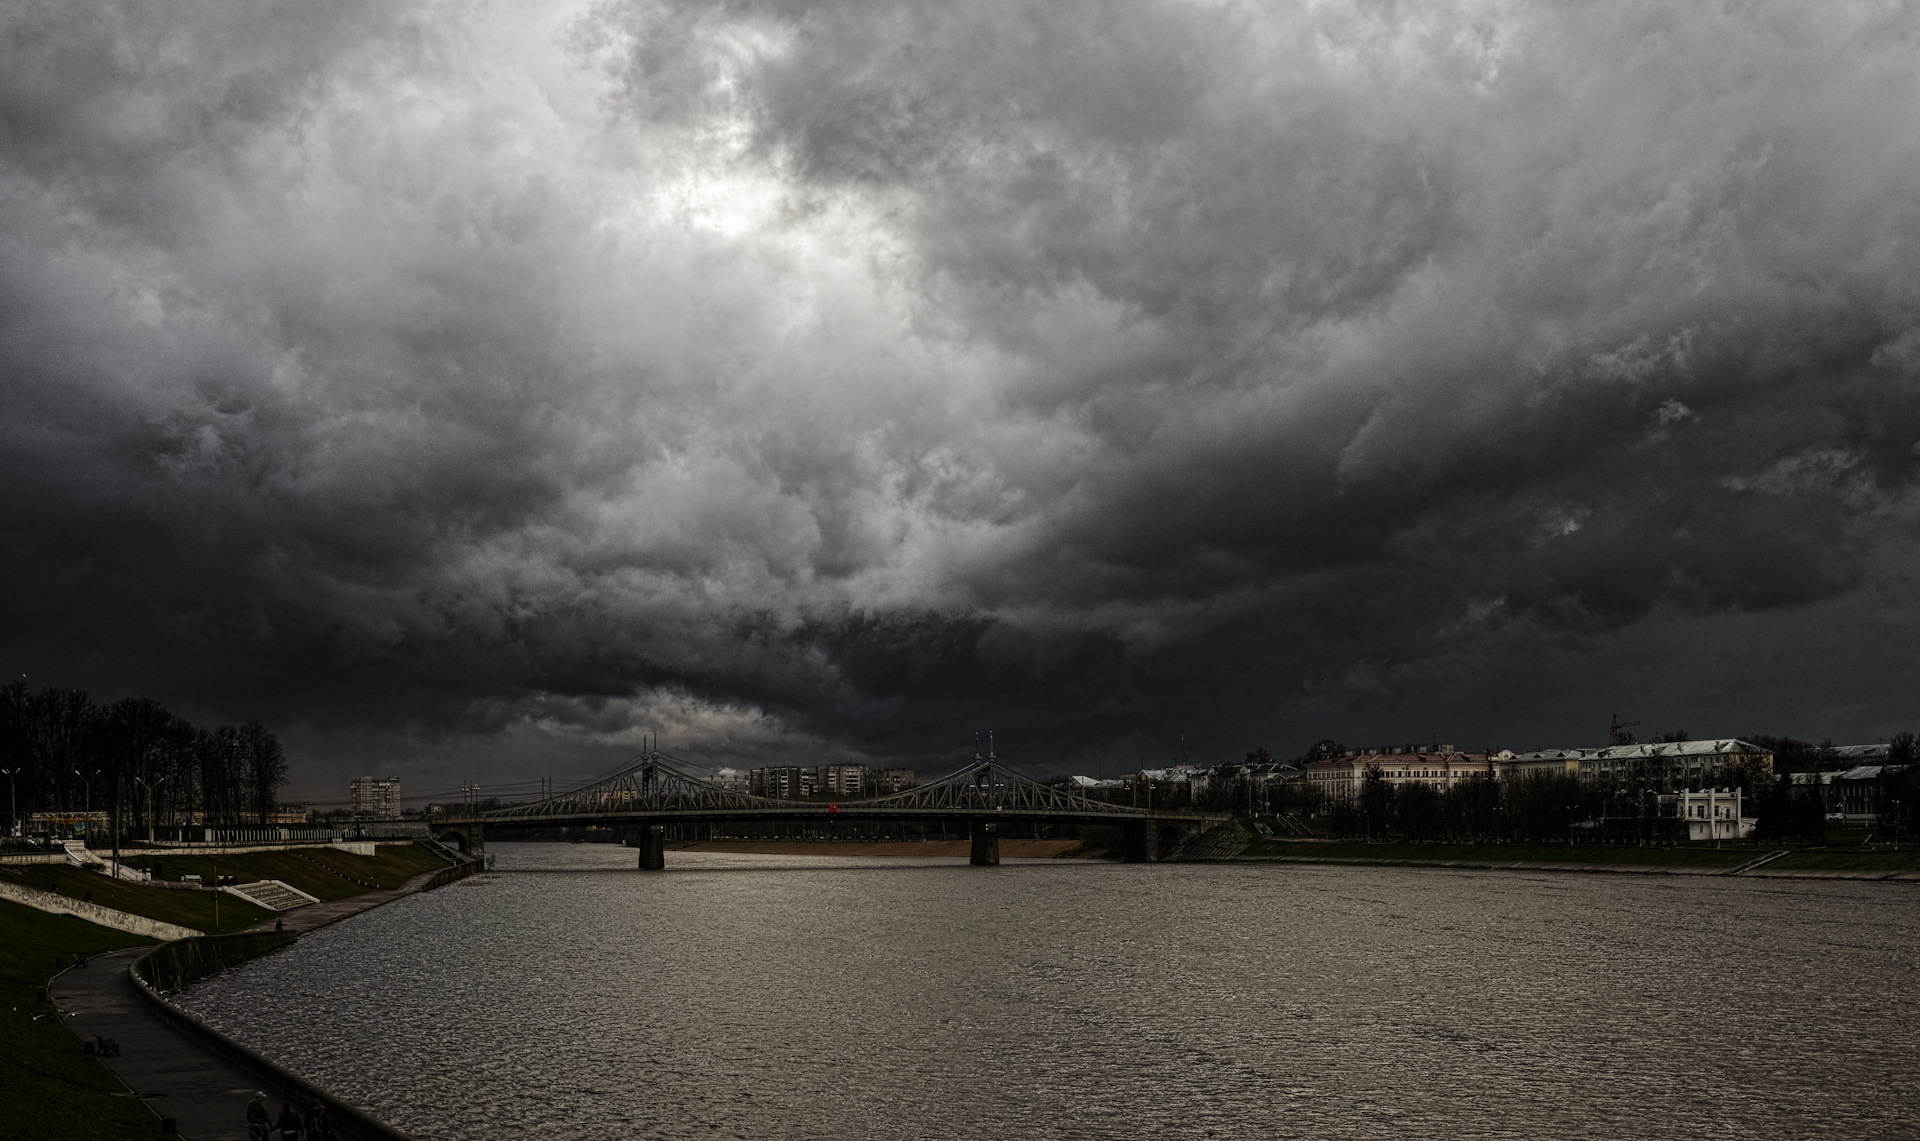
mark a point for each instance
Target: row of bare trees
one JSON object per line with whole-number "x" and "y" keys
{"x": 134, "y": 759}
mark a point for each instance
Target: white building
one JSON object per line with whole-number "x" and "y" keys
{"x": 1711, "y": 814}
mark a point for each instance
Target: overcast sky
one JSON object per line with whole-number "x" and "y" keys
{"x": 466, "y": 389}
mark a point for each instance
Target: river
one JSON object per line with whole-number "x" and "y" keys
{"x": 732, "y": 996}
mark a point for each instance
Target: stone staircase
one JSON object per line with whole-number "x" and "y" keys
{"x": 1221, "y": 842}
{"x": 445, "y": 851}
{"x": 79, "y": 857}
{"x": 271, "y": 894}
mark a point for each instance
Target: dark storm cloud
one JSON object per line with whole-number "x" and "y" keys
{"x": 847, "y": 377}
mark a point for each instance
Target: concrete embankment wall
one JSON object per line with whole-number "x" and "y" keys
{"x": 195, "y": 849}
{"x": 93, "y": 913}
{"x": 173, "y": 965}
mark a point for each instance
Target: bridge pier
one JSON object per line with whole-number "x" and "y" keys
{"x": 467, "y": 835}
{"x": 986, "y": 844}
{"x": 1137, "y": 844}
{"x": 653, "y": 847}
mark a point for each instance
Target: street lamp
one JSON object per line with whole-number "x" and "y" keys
{"x": 149, "y": 787}
{"x": 86, "y": 782}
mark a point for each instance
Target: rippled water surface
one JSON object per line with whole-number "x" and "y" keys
{"x": 566, "y": 996}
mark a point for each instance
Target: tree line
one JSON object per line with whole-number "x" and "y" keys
{"x": 134, "y": 759}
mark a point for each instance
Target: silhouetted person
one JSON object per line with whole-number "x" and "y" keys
{"x": 279, "y": 925}
{"x": 258, "y": 1123}
{"x": 289, "y": 1123}
{"x": 316, "y": 1117}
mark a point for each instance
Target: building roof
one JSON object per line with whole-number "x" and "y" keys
{"x": 1402, "y": 759}
{"x": 1712, "y": 748}
{"x": 1858, "y": 753}
{"x": 1867, "y": 772}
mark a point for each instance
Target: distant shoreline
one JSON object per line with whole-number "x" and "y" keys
{"x": 1755, "y": 863}
{"x": 1011, "y": 849}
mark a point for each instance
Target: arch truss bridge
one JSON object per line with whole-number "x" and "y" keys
{"x": 656, "y": 790}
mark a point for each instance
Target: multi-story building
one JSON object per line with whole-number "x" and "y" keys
{"x": 784, "y": 782}
{"x": 1852, "y": 795}
{"x": 842, "y": 780}
{"x": 795, "y": 782}
{"x": 1544, "y": 763}
{"x": 884, "y": 781}
{"x": 1341, "y": 778}
{"x": 374, "y": 798}
{"x": 1857, "y": 794}
{"x": 1669, "y": 765}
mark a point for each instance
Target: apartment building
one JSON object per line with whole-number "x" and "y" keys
{"x": 374, "y": 798}
{"x": 800, "y": 782}
{"x": 784, "y": 782}
{"x": 1669, "y": 765}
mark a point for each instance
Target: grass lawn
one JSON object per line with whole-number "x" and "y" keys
{"x": 1505, "y": 853}
{"x": 52, "y": 1090}
{"x": 328, "y": 873}
{"x": 1852, "y": 860}
{"x": 193, "y": 909}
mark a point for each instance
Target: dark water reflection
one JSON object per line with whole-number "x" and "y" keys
{"x": 777, "y": 997}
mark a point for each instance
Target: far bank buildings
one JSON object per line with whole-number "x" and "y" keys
{"x": 1671, "y": 767}
{"x": 1687, "y": 775}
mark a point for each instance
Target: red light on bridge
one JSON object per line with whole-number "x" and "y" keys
{"x": 833, "y": 808}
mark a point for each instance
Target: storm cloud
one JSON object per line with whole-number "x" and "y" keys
{"x": 480, "y": 383}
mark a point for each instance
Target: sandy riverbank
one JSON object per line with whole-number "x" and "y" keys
{"x": 1009, "y": 849}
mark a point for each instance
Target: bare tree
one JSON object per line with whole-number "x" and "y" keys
{"x": 264, "y": 766}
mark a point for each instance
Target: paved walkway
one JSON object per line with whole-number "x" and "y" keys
{"x": 206, "y": 1095}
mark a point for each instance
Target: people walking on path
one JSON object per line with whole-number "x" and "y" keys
{"x": 258, "y": 1123}
{"x": 319, "y": 1122}
{"x": 289, "y": 1123}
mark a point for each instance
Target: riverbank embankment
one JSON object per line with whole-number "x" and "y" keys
{"x": 1757, "y": 862}
{"x": 179, "y": 1070}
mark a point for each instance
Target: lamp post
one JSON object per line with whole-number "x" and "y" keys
{"x": 149, "y": 789}
{"x": 13, "y": 805}
{"x": 86, "y": 782}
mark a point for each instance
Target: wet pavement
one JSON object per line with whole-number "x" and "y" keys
{"x": 204, "y": 1093}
